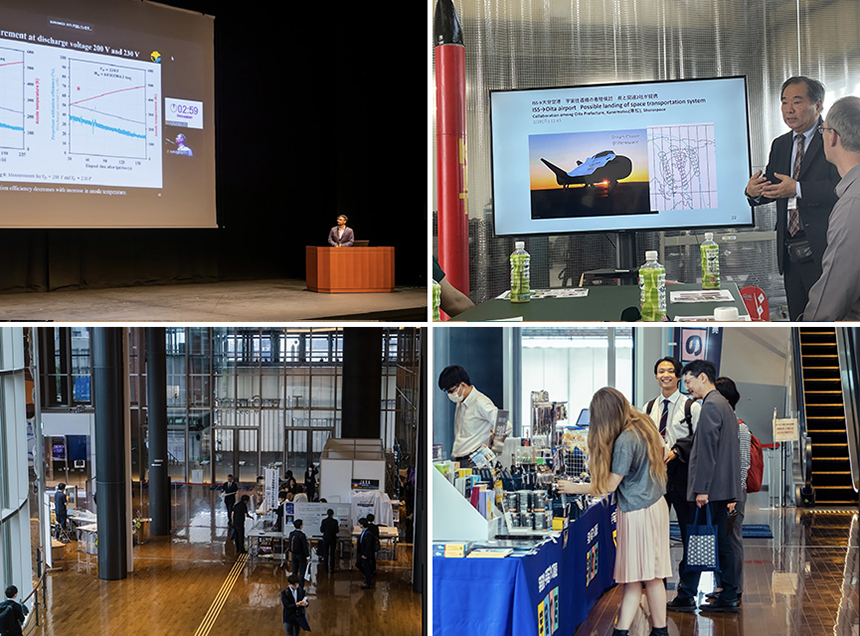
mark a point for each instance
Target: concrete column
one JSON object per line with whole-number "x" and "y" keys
{"x": 109, "y": 373}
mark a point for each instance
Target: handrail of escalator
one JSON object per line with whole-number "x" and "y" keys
{"x": 797, "y": 369}
{"x": 795, "y": 401}
{"x": 848, "y": 348}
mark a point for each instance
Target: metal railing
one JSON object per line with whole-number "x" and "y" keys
{"x": 848, "y": 348}
{"x": 38, "y": 594}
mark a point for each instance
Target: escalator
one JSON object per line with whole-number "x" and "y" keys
{"x": 825, "y": 417}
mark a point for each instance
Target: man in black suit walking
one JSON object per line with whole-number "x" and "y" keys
{"x": 230, "y": 489}
{"x": 240, "y": 512}
{"x": 329, "y": 529}
{"x": 294, "y": 602}
{"x": 300, "y": 550}
{"x": 801, "y": 181}
{"x": 366, "y": 562}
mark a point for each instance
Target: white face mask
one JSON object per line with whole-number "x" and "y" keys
{"x": 455, "y": 396}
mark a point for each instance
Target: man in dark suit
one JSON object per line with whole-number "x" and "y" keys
{"x": 230, "y": 489}
{"x": 300, "y": 551}
{"x": 371, "y": 525}
{"x": 713, "y": 481}
{"x": 240, "y": 512}
{"x": 294, "y": 602}
{"x": 340, "y": 235}
{"x": 60, "y": 509}
{"x": 801, "y": 181}
{"x": 366, "y": 562}
{"x": 279, "y": 512}
{"x": 329, "y": 529}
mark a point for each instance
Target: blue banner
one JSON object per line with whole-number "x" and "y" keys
{"x": 542, "y": 594}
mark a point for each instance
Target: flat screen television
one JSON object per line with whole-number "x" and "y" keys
{"x": 619, "y": 157}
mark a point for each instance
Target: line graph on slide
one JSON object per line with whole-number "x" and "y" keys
{"x": 107, "y": 110}
{"x": 11, "y": 98}
{"x": 683, "y": 167}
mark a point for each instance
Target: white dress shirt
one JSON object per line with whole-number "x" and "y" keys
{"x": 676, "y": 428}
{"x": 474, "y": 420}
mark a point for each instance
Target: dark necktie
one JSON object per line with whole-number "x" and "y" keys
{"x": 794, "y": 215}
{"x": 664, "y": 417}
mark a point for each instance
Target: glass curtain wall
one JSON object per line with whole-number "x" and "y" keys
{"x": 240, "y": 398}
{"x": 571, "y": 363}
{"x": 15, "y": 547}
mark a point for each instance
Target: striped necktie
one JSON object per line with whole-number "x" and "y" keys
{"x": 664, "y": 417}
{"x": 794, "y": 215}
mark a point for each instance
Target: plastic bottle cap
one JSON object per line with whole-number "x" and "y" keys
{"x": 709, "y": 236}
{"x": 726, "y": 314}
{"x": 520, "y": 245}
{"x": 651, "y": 255}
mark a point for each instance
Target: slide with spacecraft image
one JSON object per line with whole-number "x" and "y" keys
{"x": 638, "y": 156}
{"x": 617, "y": 172}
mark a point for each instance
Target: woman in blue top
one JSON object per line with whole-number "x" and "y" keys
{"x": 627, "y": 457}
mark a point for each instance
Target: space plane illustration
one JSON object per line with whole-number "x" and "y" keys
{"x": 604, "y": 167}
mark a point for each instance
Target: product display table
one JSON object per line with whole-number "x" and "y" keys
{"x": 349, "y": 269}
{"x": 602, "y": 304}
{"x": 88, "y": 536}
{"x": 550, "y": 592}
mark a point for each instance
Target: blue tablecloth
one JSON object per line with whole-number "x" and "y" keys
{"x": 536, "y": 595}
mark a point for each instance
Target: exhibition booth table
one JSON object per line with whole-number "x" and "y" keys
{"x": 387, "y": 539}
{"x": 600, "y": 304}
{"x": 540, "y": 594}
{"x": 349, "y": 269}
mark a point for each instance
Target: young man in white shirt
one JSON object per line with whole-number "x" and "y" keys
{"x": 474, "y": 418}
{"x": 669, "y": 412}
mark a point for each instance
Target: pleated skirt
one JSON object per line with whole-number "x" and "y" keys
{"x": 643, "y": 544}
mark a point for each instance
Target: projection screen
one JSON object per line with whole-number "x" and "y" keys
{"x": 106, "y": 115}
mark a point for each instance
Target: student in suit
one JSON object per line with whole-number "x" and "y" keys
{"x": 329, "y": 529}
{"x": 366, "y": 562}
{"x": 279, "y": 512}
{"x": 669, "y": 412}
{"x": 340, "y": 235}
{"x": 230, "y": 489}
{"x": 240, "y": 512}
{"x": 713, "y": 481}
{"x": 300, "y": 550}
{"x": 375, "y": 530}
{"x": 60, "y": 509}
{"x": 294, "y": 602}
{"x": 19, "y": 612}
{"x": 806, "y": 184}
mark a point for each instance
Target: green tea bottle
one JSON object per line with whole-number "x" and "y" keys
{"x": 710, "y": 263}
{"x": 520, "y": 292}
{"x": 437, "y": 300}
{"x": 652, "y": 288}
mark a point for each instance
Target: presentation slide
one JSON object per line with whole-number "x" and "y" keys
{"x": 106, "y": 116}
{"x": 641, "y": 156}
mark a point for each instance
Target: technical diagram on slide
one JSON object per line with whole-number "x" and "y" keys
{"x": 78, "y": 118}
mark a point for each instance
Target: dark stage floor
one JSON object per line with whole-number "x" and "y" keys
{"x": 277, "y": 300}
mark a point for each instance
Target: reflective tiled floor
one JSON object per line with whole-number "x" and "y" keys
{"x": 190, "y": 583}
{"x": 803, "y": 582}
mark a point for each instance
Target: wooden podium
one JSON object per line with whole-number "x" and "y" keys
{"x": 349, "y": 269}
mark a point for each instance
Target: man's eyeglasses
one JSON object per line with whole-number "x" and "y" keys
{"x": 821, "y": 129}
{"x": 452, "y": 389}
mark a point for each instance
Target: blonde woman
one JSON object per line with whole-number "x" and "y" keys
{"x": 627, "y": 457}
